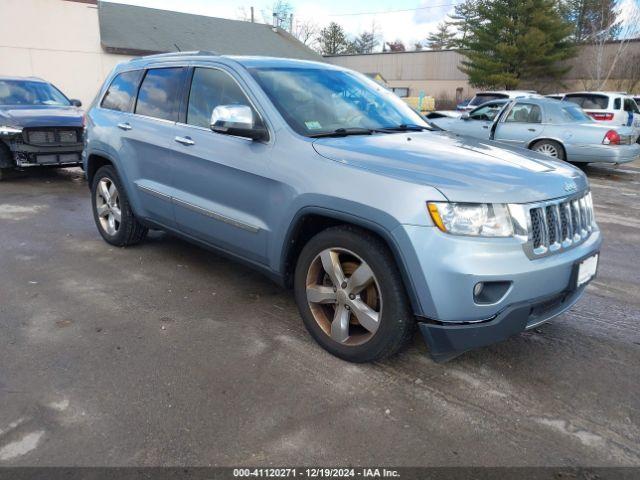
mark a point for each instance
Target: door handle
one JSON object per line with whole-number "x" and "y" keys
{"x": 485, "y": 126}
{"x": 184, "y": 140}
{"x": 532, "y": 129}
{"x": 125, "y": 126}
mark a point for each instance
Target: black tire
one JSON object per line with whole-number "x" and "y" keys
{"x": 7, "y": 165}
{"x": 550, "y": 144}
{"x": 130, "y": 231}
{"x": 396, "y": 324}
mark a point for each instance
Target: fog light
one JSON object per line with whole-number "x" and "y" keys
{"x": 486, "y": 293}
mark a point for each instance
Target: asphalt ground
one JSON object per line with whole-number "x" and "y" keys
{"x": 168, "y": 354}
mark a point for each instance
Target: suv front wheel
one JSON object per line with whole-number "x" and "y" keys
{"x": 351, "y": 296}
{"x": 112, "y": 212}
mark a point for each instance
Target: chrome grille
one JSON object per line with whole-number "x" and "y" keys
{"x": 559, "y": 224}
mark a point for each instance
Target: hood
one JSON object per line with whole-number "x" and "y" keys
{"x": 462, "y": 168}
{"x": 40, "y": 116}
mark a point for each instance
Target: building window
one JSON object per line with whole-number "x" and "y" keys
{"x": 402, "y": 92}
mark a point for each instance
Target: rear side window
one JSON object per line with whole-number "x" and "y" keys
{"x": 630, "y": 106}
{"x": 525, "y": 113}
{"x": 210, "y": 88}
{"x": 617, "y": 104}
{"x": 574, "y": 114}
{"x": 122, "y": 91}
{"x": 159, "y": 95}
{"x": 589, "y": 101}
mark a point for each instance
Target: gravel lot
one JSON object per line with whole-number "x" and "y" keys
{"x": 167, "y": 354}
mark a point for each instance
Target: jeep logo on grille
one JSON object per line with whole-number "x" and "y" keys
{"x": 570, "y": 187}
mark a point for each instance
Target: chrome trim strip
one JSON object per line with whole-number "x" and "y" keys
{"x": 217, "y": 216}
{"x": 154, "y": 193}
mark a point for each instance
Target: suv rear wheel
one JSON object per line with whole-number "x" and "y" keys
{"x": 351, "y": 296}
{"x": 111, "y": 210}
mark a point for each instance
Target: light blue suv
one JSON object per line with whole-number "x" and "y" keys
{"x": 331, "y": 185}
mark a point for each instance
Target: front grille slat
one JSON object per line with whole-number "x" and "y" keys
{"x": 557, "y": 225}
{"x": 53, "y": 136}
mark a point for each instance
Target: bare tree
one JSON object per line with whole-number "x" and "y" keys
{"x": 243, "y": 14}
{"x": 306, "y": 31}
{"x": 629, "y": 80}
{"x": 604, "y": 57}
{"x": 279, "y": 14}
{"x": 396, "y": 46}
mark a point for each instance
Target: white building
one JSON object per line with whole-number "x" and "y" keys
{"x": 75, "y": 43}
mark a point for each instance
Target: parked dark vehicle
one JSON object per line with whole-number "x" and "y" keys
{"x": 39, "y": 125}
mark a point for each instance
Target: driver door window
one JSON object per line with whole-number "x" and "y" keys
{"x": 486, "y": 113}
{"x": 210, "y": 88}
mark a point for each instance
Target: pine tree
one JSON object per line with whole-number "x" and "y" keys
{"x": 366, "y": 42}
{"x": 443, "y": 38}
{"x": 332, "y": 40}
{"x": 465, "y": 19}
{"x": 514, "y": 40}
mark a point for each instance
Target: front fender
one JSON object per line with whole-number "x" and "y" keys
{"x": 378, "y": 222}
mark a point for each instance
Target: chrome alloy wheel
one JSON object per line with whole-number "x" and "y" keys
{"x": 108, "y": 206}
{"x": 547, "y": 149}
{"x": 344, "y": 296}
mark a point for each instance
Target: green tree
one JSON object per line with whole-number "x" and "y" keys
{"x": 464, "y": 19}
{"x": 366, "y": 42}
{"x": 333, "y": 40}
{"x": 443, "y": 38}
{"x": 515, "y": 40}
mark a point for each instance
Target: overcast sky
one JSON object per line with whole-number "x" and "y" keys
{"x": 414, "y": 24}
{"x": 407, "y": 20}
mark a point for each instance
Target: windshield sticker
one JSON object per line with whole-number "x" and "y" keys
{"x": 313, "y": 125}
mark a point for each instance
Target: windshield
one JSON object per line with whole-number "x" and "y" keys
{"x": 481, "y": 98}
{"x": 25, "y": 92}
{"x": 317, "y": 101}
{"x": 588, "y": 101}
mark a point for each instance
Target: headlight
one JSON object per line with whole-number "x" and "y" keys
{"x": 10, "y": 130}
{"x": 477, "y": 219}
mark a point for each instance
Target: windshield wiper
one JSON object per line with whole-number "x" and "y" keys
{"x": 343, "y": 132}
{"x": 406, "y": 127}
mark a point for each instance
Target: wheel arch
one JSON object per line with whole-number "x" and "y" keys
{"x": 312, "y": 220}
{"x": 552, "y": 139}
{"x": 95, "y": 161}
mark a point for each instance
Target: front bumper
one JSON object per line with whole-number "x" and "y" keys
{"x": 34, "y": 156}
{"x": 55, "y": 153}
{"x": 449, "y": 267}
{"x": 447, "y": 341}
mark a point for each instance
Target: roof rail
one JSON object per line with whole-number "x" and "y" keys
{"x": 181, "y": 54}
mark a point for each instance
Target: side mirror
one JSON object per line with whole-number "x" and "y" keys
{"x": 237, "y": 120}
{"x": 75, "y": 102}
{"x": 465, "y": 116}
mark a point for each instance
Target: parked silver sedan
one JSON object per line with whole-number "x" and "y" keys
{"x": 551, "y": 127}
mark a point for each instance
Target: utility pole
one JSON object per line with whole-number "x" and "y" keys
{"x": 252, "y": 17}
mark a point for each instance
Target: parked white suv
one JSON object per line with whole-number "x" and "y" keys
{"x": 613, "y": 108}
